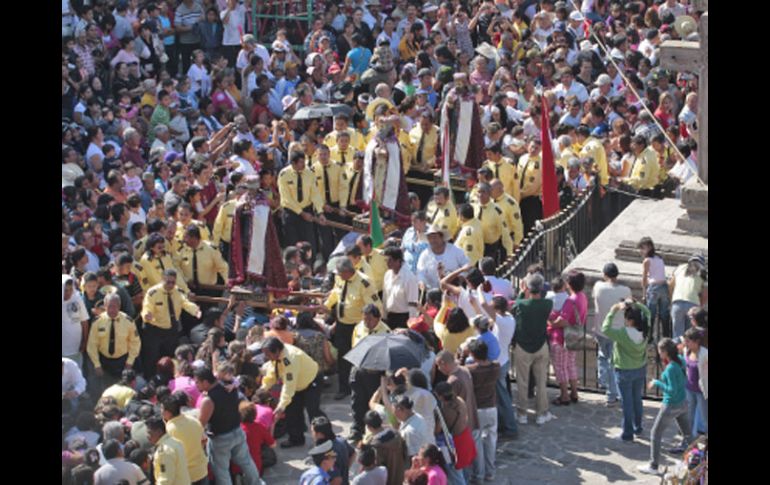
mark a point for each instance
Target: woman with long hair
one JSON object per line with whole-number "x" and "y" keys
{"x": 155, "y": 261}
{"x": 654, "y": 288}
{"x": 213, "y": 350}
{"x": 687, "y": 291}
{"x": 697, "y": 360}
{"x": 312, "y": 339}
{"x": 432, "y": 462}
{"x": 573, "y": 312}
{"x": 630, "y": 361}
{"x": 672, "y": 382}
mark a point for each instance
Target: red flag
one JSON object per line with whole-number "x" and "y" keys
{"x": 550, "y": 194}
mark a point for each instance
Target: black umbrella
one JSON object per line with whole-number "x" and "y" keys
{"x": 386, "y": 352}
{"x": 321, "y": 111}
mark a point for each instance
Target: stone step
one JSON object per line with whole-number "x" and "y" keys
{"x": 672, "y": 255}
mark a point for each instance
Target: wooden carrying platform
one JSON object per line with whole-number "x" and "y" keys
{"x": 265, "y": 299}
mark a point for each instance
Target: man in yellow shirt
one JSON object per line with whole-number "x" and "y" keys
{"x": 484, "y": 175}
{"x": 644, "y": 168}
{"x": 184, "y": 219}
{"x": 424, "y": 137}
{"x": 189, "y": 432}
{"x": 343, "y": 152}
{"x": 408, "y": 151}
{"x": 441, "y": 211}
{"x": 503, "y": 169}
{"x": 531, "y": 185}
{"x": 594, "y": 148}
{"x": 301, "y": 388}
{"x": 162, "y": 311}
{"x": 113, "y": 343}
{"x": 510, "y": 209}
{"x": 123, "y": 391}
{"x": 155, "y": 261}
{"x": 352, "y": 291}
{"x": 470, "y": 237}
{"x": 169, "y": 460}
{"x": 374, "y": 258}
{"x": 299, "y": 197}
{"x": 341, "y": 125}
{"x": 199, "y": 261}
{"x": 222, "y": 233}
{"x": 328, "y": 176}
{"x": 365, "y": 382}
{"x": 351, "y": 184}
{"x": 356, "y": 257}
{"x": 497, "y": 234}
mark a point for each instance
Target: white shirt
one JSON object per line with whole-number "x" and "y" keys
{"x": 232, "y": 33}
{"x": 394, "y": 39}
{"x": 683, "y": 171}
{"x": 244, "y": 166}
{"x": 500, "y": 286}
{"x": 166, "y": 146}
{"x": 427, "y": 266}
{"x": 245, "y": 136}
{"x": 647, "y": 49}
{"x": 415, "y": 433}
{"x": 73, "y": 312}
{"x": 558, "y": 299}
{"x": 607, "y": 294}
{"x": 201, "y": 80}
{"x": 93, "y": 262}
{"x": 71, "y": 377}
{"x": 118, "y": 469}
{"x": 464, "y": 300}
{"x": 578, "y": 182}
{"x": 504, "y": 329}
{"x": 93, "y": 150}
{"x": 575, "y": 88}
{"x": 243, "y": 58}
{"x": 400, "y": 289}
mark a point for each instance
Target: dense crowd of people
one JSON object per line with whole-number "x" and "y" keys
{"x": 206, "y": 165}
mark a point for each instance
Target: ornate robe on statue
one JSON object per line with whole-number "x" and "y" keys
{"x": 384, "y": 175}
{"x": 255, "y": 254}
{"x": 462, "y": 124}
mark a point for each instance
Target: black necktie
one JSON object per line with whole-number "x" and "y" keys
{"x": 172, "y": 313}
{"x": 343, "y": 159}
{"x": 327, "y": 189}
{"x": 524, "y": 176}
{"x": 352, "y": 184}
{"x": 497, "y": 170}
{"x": 111, "y": 347}
{"x": 341, "y": 305}
{"x": 162, "y": 266}
{"x": 299, "y": 186}
{"x": 195, "y": 266}
{"x": 481, "y": 211}
{"x": 419, "y": 149}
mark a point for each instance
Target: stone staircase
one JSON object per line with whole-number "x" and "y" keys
{"x": 672, "y": 255}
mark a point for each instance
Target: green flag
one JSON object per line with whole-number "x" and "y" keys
{"x": 375, "y": 227}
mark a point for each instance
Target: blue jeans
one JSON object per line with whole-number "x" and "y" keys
{"x": 455, "y": 476}
{"x": 606, "y": 374}
{"x": 506, "y": 419}
{"x": 679, "y": 318}
{"x": 658, "y": 303}
{"x": 699, "y": 412}
{"x": 631, "y": 386}
{"x": 231, "y": 446}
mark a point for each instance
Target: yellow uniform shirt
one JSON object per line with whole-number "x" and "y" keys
{"x": 170, "y": 462}
{"x": 210, "y": 263}
{"x": 565, "y": 156}
{"x": 121, "y": 394}
{"x": 470, "y": 239}
{"x": 429, "y": 146}
{"x": 180, "y": 228}
{"x": 189, "y": 432}
{"x": 156, "y": 303}
{"x": 351, "y": 297}
{"x": 444, "y": 217}
{"x": 379, "y": 265}
{"x": 644, "y": 170}
{"x": 333, "y": 173}
{"x": 530, "y": 177}
{"x": 139, "y": 247}
{"x": 595, "y": 149}
{"x": 152, "y": 269}
{"x": 364, "y": 268}
{"x": 408, "y": 151}
{"x": 506, "y": 171}
{"x": 288, "y": 181}
{"x": 350, "y": 180}
{"x": 362, "y": 331}
{"x": 344, "y": 158}
{"x": 356, "y": 139}
{"x": 223, "y": 224}
{"x": 473, "y": 195}
{"x": 512, "y": 214}
{"x": 127, "y": 339}
{"x": 493, "y": 225}
{"x": 295, "y": 368}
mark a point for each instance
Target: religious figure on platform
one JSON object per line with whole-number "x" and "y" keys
{"x": 461, "y": 123}
{"x": 383, "y": 169}
{"x": 255, "y": 254}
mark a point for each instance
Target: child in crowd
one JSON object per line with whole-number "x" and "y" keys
{"x": 558, "y": 294}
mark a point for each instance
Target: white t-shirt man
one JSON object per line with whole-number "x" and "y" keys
{"x": 234, "y": 25}
{"x": 504, "y": 329}
{"x": 606, "y": 294}
{"x": 117, "y": 469}
{"x": 73, "y": 312}
{"x": 427, "y": 266}
{"x": 244, "y": 166}
{"x": 575, "y": 88}
{"x": 415, "y": 433}
{"x": 500, "y": 286}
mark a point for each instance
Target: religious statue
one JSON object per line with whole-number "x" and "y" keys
{"x": 383, "y": 170}
{"x": 461, "y": 123}
{"x": 255, "y": 255}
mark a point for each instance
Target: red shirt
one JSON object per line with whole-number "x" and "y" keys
{"x": 256, "y": 435}
{"x": 209, "y": 193}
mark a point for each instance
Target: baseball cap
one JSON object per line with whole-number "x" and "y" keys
{"x": 171, "y": 156}
{"x": 576, "y": 16}
{"x": 698, "y": 258}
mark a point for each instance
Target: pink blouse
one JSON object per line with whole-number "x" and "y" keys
{"x": 186, "y": 384}
{"x": 436, "y": 475}
{"x": 556, "y": 335}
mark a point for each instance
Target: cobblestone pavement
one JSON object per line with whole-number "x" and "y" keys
{"x": 575, "y": 448}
